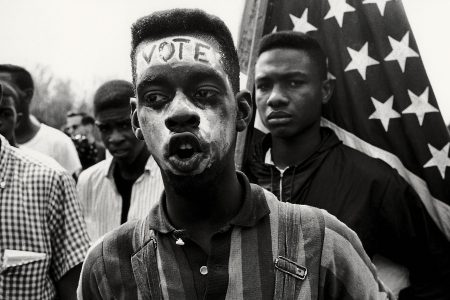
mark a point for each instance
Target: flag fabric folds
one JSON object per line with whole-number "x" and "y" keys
{"x": 383, "y": 102}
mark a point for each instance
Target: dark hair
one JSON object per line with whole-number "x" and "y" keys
{"x": 187, "y": 21}
{"x": 72, "y": 113}
{"x": 113, "y": 94}
{"x": 20, "y": 77}
{"x": 9, "y": 91}
{"x": 87, "y": 119}
{"x": 299, "y": 41}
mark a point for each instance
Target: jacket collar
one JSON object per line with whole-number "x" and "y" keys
{"x": 328, "y": 140}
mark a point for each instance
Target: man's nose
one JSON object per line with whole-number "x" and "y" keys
{"x": 183, "y": 115}
{"x": 115, "y": 137}
{"x": 277, "y": 97}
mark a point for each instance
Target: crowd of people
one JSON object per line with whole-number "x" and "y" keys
{"x": 142, "y": 199}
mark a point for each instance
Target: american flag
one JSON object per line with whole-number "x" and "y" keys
{"x": 383, "y": 102}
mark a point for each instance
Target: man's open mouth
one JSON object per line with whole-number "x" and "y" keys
{"x": 184, "y": 146}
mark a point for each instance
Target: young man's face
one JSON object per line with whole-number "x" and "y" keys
{"x": 73, "y": 124}
{"x": 289, "y": 91}
{"x": 115, "y": 129}
{"x": 185, "y": 104}
{"x": 8, "y": 117}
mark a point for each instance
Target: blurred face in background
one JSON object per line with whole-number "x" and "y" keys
{"x": 73, "y": 125}
{"x": 8, "y": 117}
{"x": 117, "y": 135}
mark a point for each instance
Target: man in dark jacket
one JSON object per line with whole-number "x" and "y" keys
{"x": 302, "y": 163}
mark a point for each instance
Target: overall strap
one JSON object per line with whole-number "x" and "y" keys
{"x": 144, "y": 261}
{"x": 300, "y": 240}
{"x": 117, "y": 249}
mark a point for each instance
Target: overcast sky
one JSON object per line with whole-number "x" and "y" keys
{"x": 88, "y": 41}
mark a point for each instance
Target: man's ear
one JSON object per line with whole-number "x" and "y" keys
{"x": 327, "y": 90}
{"x": 19, "y": 117}
{"x": 134, "y": 120}
{"x": 244, "y": 115}
{"x": 28, "y": 95}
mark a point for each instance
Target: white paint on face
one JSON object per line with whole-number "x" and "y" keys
{"x": 176, "y": 49}
{"x": 171, "y": 90}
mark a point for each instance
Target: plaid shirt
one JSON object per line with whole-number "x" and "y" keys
{"x": 39, "y": 218}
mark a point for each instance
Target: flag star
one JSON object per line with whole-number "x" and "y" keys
{"x": 360, "y": 60}
{"x": 384, "y": 111}
{"x": 401, "y": 51}
{"x": 419, "y": 105}
{"x": 380, "y": 3}
{"x": 337, "y": 9}
{"x": 440, "y": 159}
{"x": 301, "y": 24}
{"x": 330, "y": 76}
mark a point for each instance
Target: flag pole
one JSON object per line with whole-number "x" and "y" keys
{"x": 250, "y": 33}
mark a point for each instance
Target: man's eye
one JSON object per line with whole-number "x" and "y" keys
{"x": 295, "y": 83}
{"x": 125, "y": 125}
{"x": 206, "y": 93}
{"x": 153, "y": 98}
{"x": 262, "y": 87}
{"x": 103, "y": 128}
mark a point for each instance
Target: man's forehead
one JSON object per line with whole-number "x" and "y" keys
{"x": 177, "y": 49}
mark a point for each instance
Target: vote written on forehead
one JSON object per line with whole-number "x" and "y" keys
{"x": 178, "y": 49}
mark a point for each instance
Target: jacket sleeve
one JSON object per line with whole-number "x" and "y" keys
{"x": 410, "y": 237}
{"x": 346, "y": 271}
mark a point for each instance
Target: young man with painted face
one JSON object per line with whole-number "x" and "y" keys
{"x": 30, "y": 132}
{"x": 43, "y": 239}
{"x": 125, "y": 186}
{"x": 213, "y": 235}
{"x": 302, "y": 163}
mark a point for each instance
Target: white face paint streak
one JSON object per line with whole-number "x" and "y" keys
{"x": 176, "y": 49}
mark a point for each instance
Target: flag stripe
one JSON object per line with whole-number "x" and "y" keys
{"x": 439, "y": 211}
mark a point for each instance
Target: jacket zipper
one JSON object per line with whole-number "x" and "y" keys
{"x": 281, "y": 184}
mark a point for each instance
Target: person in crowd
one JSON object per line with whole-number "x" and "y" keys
{"x": 29, "y": 131}
{"x": 8, "y": 123}
{"x": 125, "y": 186}
{"x": 43, "y": 240}
{"x": 304, "y": 163}
{"x": 212, "y": 235}
{"x": 81, "y": 127}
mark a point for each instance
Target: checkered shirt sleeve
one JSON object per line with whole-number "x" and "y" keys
{"x": 39, "y": 214}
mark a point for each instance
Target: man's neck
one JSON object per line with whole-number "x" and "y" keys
{"x": 202, "y": 210}
{"x": 27, "y": 129}
{"x": 294, "y": 150}
{"x": 132, "y": 171}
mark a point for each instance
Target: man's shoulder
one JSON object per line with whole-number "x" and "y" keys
{"x": 26, "y": 161}
{"x": 361, "y": 164}
{"x": 112, "y": 244}
{"x": 95, "y": 171}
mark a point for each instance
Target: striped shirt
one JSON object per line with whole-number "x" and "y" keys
{"x": 102, "y": 203}
{"x": 42, "y": 233}
{"x": 269, "y": 250}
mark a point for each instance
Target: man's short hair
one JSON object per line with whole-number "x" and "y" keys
{"x": 72, "y": 113}
{"x": 298, "y": 41}
{"x": 87, "y": 120}
{"x": 187, "y": 21}
{"x": 113, "y": 94}
{"x": 9, "y": 91}
{"x": 20, "y": 77}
